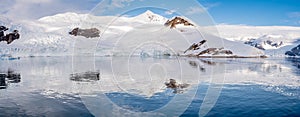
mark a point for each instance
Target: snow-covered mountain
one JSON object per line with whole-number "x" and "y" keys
{"x": 267, "y": 42}
{"x": 144, "y": 34}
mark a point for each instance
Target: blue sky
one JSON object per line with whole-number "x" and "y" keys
{"x": 247, "y": 12}
{"x": 254, "y": 12}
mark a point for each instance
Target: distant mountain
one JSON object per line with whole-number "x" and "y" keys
{"x": 267, "y": 42}
{"x": 274, "y": 40}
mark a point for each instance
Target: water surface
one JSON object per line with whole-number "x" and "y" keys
{"x": 120, "y": 86}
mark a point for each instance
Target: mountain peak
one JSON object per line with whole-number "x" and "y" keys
{"x": 149, "y": 16}
{"x": 149, "y": 12}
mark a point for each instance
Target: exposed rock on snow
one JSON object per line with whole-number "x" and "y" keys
{"x": 176, "y": 21}
{"x": 202, "y": 50}
{"x": 195, "y": 46}
{"x": 215, "y": 51}
{"x": 294, "y": 52}
{"x": 88, "y": 33}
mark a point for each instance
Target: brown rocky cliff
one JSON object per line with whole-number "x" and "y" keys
{"x": 178, "y": 20}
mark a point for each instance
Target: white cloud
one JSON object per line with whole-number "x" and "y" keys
{"x": 207, "y": 6}
{"x": 33, "y": 9}
{"x": 120, "y": 3}
{"x": 211, "y": 5}
{"x": 294, "y": 14}
{"x": 243, "y": 32}
{"x": 294, "y": 18}
{"x": 194, "y": 10}
{"x": 170, "y": 12}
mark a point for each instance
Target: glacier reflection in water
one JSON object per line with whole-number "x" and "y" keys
{"x": 53, "y": 86}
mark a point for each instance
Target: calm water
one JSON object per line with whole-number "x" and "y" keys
{"x": 120, "y": 86}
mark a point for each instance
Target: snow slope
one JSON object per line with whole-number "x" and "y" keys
{"x": 141, "y": 34}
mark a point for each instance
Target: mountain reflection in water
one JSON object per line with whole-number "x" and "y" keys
{"x": 85, "y": 77}
{"x": 9, "y": 77}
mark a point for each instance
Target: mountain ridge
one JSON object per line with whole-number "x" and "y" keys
{"x": 51, "y": 33}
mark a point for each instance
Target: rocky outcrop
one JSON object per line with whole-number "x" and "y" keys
{"x": 294, "y": 52}
{"x": 177, "y": 20}
{"x": 195, "y": 46}
{"x": 88, "y": 33}
{"x": 211, "y": 51}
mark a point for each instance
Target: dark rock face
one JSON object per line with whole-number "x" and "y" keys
{"x": 290, "y": 53}
{"x": 178, "y": 20}
{"x": 294, "y": 52}
{"x": 88, "y": 33}
{"x": 2, "y": 29}
{"x": 3, "y": 83}
{"x": 8, "y": 37}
